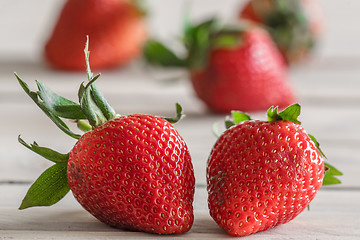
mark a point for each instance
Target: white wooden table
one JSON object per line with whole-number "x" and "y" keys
{"x": 328, "y": 88}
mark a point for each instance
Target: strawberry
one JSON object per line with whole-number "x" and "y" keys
{"x": 131, "y": 172}
{"x": 264, "y": 173}
{"x": 117, "y": 29}
{"x": 230, "y": 67}
{"x": 295, "y": 25}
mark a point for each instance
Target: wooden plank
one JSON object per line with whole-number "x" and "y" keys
{"x": 13, "y": 194}
{"x": 310, "y": 82}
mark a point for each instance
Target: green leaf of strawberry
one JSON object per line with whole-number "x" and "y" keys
{"x": 237, "y": 117}
{"x": 330, "y": 173}
{"x": 196, "y": 40}
{"x": 48, "y": 189}
{"x": 157, "y": 53}
{"x": 59, "y": 105}
{"x": 290, "y": 113}
{"x": 47, "y": 153}
{"x": 47, "y": 109}
{"x": 178, "y": 117}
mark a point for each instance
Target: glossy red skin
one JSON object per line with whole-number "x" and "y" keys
{"x": 249, "y": 77}
{"x": 134, "y": 173}
{"x": 261, "y": 174}
{"x": 116, "y": 30}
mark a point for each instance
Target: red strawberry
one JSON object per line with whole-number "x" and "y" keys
{"x": 295, "y": 25}
{"x": 264, "y": 173}
{"x": 250, "y": 76}
{"x": 131, "y": 172}
{"x": 232, "y": 67}
{"x": 116, "y": 27}
{"x": 134, "y": 173}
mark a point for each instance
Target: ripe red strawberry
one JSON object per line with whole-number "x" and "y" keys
{"x": 131, "y": 172}
{"x": 232, "y": 67}
{"x": 264, "y": 173}
{"x": 295, "y": 25}
{"x": 116, "y": 27}
{"x": 250, "y": 76}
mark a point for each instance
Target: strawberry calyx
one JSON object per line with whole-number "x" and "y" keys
{"x": 198, "y": 41}
{"x": 291, "y": 113}
{"x": 93, "y": 106}
{"x": 92, "y": 111}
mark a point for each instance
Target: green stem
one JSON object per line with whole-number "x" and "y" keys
{"x": 84, "y": 125}
{"x": 94, "y": 105}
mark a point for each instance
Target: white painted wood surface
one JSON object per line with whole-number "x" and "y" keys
{"x": 328, "y": 88}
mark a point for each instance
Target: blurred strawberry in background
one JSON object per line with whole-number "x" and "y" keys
{"x": 295, "y": 25}
{"x": 116, "y": 28}
{"x": 232, "y": 67}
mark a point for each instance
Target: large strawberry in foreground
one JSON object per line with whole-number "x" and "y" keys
{"x": 235, "y": 67}
{"x": 264, "y": 173}
{"x": 117, "y": 29}
{"x": 295, "y": 25}
{"x": 131, "y": 172}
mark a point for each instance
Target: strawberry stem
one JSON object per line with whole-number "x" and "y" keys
{"x": 83, "y": 125}
{"x": 94, "y": 105}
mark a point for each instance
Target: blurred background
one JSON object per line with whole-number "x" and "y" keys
{"x": 26, "y": 26}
